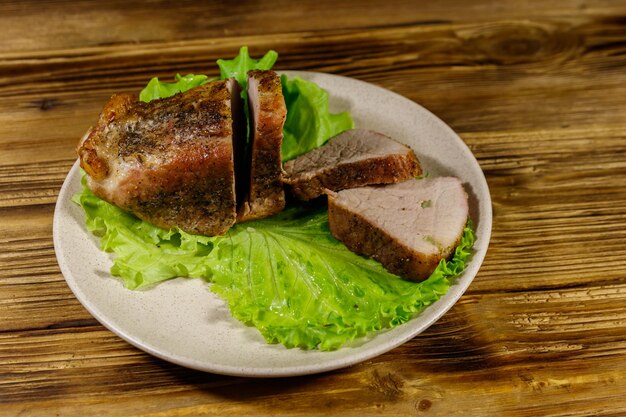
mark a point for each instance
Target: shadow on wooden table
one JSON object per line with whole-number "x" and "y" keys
{"x": 453, "y": 346}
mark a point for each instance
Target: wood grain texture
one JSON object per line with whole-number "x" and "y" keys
{"x": 537, "y": 90}
{"x": 48, "y": 25}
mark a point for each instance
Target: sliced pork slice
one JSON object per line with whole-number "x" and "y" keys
{"x": 265, "y": 195}
{"x": 352, "y": 159}
{"x": 169, "y": 161}
{"x": 408, "y": 227}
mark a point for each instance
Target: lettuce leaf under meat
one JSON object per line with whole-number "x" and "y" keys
{"x": 239, "y": 66}
{"x": 295, "y": 283}
{"x": 145, "y": 254}
{"x": 285, "y": 275}
{"x": 159, "y": 89}
{"x": 309, "y": 123}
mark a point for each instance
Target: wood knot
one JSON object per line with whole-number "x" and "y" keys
{"x": 423, "y": 405}
{"x": 45, "y": 104}
{"x": 388, "y": 384}
{"x": 521, "y": 42}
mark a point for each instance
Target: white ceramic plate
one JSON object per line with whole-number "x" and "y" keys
{"x": 181, "y": 321}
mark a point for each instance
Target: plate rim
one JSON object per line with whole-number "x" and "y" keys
{"x": 451, "y": 297}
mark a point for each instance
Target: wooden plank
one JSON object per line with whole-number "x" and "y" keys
{"x": 525, "y": 45}
{"x": 48, "y": 25}
{"x": 529, "y": 353}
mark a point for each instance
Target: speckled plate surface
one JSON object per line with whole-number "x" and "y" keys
{"x": 183, "y": 322}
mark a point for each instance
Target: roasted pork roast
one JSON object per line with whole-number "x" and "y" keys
{"x": 408, "y": 227}
{"x": 351, "y": 159}
{"x": 169, "y": 161}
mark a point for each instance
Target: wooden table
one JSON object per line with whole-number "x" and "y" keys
{"x": 537, "y": 90}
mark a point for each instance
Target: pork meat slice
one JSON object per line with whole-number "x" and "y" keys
{"x": 170, "y": 161}
{"x": 266, "y": 195}
{"x": 351, "y": 159}
{"x": 408, "y": 227}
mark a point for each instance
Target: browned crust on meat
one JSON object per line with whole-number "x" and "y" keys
{"x": 94, "y": 165}
{"x": 266, "y": 193}
{"x": 181, "y": 152}
{"x": 90, "y": 162}
{"x": 363, "y": 238}
{"x": 192, "y": 192}
{"x": 378, "y": 170}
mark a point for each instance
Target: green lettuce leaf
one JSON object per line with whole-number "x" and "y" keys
{"x": 239, "y": 66}
{"x": 295, "y": 283}
{"x": 158, "y": 89}
{"x": 309, "y": 123}
{"x": 146, "y": 254}
{"x": 285, "y": 275}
